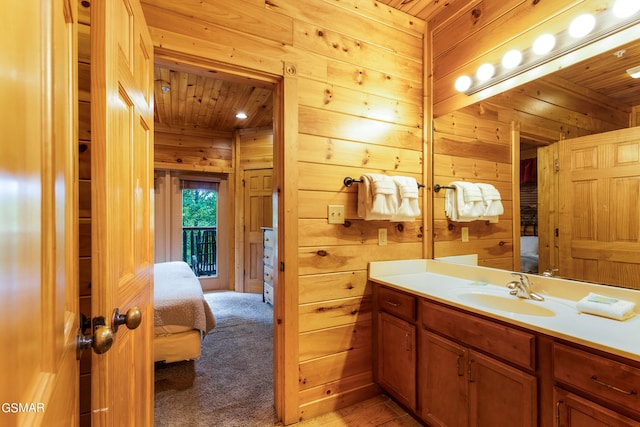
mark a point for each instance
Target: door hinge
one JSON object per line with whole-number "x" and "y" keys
{"x": 243, "y": 184}
{"x": 557, "y": 232}
{"x": 556, "y": 164}
{"x": 281, "y": 265}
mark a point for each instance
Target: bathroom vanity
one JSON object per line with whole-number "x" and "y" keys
{"x": 456, "y": 349}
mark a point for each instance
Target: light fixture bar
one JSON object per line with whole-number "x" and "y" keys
{"x": 608, "y": 24}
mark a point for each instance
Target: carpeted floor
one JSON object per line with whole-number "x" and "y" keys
{"x": 232, "y": 383}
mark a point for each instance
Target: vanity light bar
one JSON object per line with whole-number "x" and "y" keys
{"x": 513, "y": 64}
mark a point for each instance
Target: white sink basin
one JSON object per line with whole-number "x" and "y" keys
{"x": 506, "y": 303}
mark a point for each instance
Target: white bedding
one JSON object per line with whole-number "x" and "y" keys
{"x": 529, "y": 254}
{"x": 179, "y": 300}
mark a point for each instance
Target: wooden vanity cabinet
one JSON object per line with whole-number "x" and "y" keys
{"x": 609, "y": 388}
{"x": 575, "y": 411}
{"x": 460, "y": 385}
{"x": 469, "y": 370}
{"x": 396, "y": 345}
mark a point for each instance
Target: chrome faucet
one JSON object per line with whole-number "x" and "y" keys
{"x": 523, "y": 288}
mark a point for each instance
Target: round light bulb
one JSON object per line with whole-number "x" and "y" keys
{"x": 544, "y": 44}
{"x": 582, "y": 25}
{"x": 626, "y": 8}
{"x": 512, "y": 59}
{"x": 485, "y": 72}
{"x": 463, "y": 83}
{"x": 241, "y": 115}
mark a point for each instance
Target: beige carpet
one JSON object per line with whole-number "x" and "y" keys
{"x": 232, "y": 383}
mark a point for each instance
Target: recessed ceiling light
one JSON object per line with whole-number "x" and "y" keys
{"x": 634, "y": 72}
{"x": 165, "y": 88}
{"x": 241, "y": 115}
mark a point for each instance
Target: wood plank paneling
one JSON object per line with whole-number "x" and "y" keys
{"x": 358, "y": 109}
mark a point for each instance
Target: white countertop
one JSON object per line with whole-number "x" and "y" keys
{"x": 459, "y": 286}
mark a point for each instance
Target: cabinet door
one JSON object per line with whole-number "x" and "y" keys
{"x": 574, "y": 411}
{"x": 443, "y": 381}
{"x": 397, "y": 358}
{"x": 500, "y": 395}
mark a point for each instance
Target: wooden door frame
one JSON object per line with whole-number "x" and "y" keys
{"x": 285, "y": 221}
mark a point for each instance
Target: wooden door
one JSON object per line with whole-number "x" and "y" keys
{"x": 443, "y": 381}
{"x": 599, "y": 208}
{"x": 38, "y": 209}
{"x": 258, "y": 193}
{"x": 397, "y": 358}
{"x": 500, "y": 395}
{"x": 122, "y": 215}
{"x": 547, "y": 207}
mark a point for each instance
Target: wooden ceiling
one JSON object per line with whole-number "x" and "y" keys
{"x": 192, "y": 98}
{"x": 205, "y": 99}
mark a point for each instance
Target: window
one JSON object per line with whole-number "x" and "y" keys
{"x": 199, "y": 226}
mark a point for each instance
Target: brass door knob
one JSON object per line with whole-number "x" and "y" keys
{"x": 132, "y": 318}
{"x": 101, "y": 341}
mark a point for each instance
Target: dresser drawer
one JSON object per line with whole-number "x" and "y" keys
{"x": 397, "y": 303}
{"x": 267, "y": 293}
{"x": 502, "y": 341}
{"x": 267, "y": 238}
{"x": 267, "y": 256}
{"x": 267, "y": 276}
{"x": 599, "y": 376}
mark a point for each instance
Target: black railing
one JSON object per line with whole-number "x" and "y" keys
{"x": 199, "y": 249}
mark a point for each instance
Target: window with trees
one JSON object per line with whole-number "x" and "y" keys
{"x": 199, "y": 226}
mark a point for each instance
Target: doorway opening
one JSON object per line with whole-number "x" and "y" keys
{"x": 197, "y": 132}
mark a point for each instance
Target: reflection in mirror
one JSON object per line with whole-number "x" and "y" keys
{"x": 578, "y": 164}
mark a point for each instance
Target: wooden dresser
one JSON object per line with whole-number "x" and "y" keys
{"x": 268, "y": 248}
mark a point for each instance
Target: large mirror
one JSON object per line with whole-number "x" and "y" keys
{"x": 567, "y": 123}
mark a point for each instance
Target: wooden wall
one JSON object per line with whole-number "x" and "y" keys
{"x": 255, "y": 149}
{"x": 358, "y": 73}
{"x": 473, "y": 145}
{"x": 201, "y": 150}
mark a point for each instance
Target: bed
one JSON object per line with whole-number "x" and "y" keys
{"x": 529, "y": 254}
{"x": 182, "y": 316}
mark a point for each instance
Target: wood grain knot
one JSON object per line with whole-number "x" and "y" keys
{"x": 322, "y": 252}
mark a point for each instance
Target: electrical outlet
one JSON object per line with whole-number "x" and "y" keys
{"x": 335, "y": 214}
{"x": 465, "y": 234}
{"x": 382, "y": 236}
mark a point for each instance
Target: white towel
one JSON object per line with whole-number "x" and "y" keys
{"x": 464, "y": 202}
{"x": 491, "y": 201}
{"x": 408, "y": 208}
{"x": 377, "y": 197}
{"x": 607, "y": 307}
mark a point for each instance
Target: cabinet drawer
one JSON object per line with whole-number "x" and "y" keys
{"x": 599, "y": 376}
{"x": 267, "y": 256}
{"x": 268, "y": 293}
{"x": 268, "y": 275}
{"x": 267, "y": 238}
{"x": 397, "y": 303}
{"x": 509, "y": 344}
